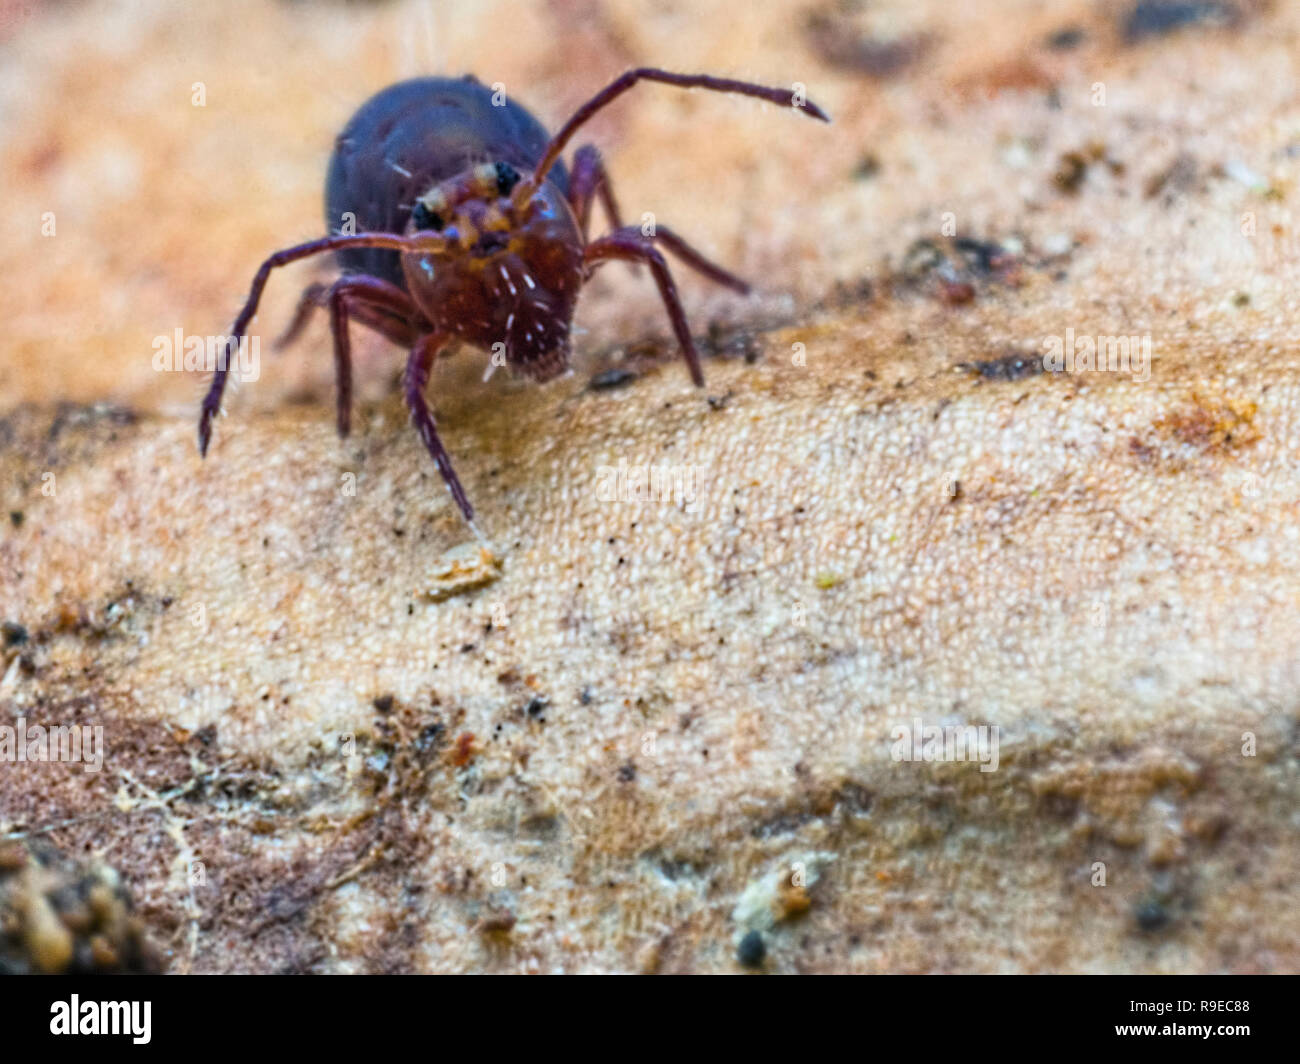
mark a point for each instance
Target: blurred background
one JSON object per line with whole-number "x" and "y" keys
{"x": 152, "y": 152}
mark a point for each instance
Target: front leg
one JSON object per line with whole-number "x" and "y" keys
{"x": 416, "y": 242}
{"x": 417, "y": 376}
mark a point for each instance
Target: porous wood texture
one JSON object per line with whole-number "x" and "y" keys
{"x": 664, "y": 722}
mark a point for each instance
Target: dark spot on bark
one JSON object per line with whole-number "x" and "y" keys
{"x": 1070, "y": 173}
{"x": 1152, "y": 915}
{"x": 856, "y": 797}
{"x": 840, "y": 43}
{"x": 867, "y": 168}
{"x": 609, "y": 379}
{"x": 1155, "y": 18}
{"x": 430, "y": 737}
{"x": 1011, "y": 367}
{"x": 1064, "y": 40}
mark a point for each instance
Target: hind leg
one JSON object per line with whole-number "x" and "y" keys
{"x": 588, "y": 180}
{"x": 314, "y": 295}
{"x": 374, "y": 302}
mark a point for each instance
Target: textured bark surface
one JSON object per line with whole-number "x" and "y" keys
{"x": 337, "y": 740}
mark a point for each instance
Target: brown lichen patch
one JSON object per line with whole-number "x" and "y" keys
{"x": 1113, "y": 792}
{"x": 1202, "y": 427}
{"x": 211, "y": 839}
{"x": 464, "y": 750}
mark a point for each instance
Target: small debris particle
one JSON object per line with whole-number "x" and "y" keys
{"x": 780, "y": 893}
{"x": 626, "y": 772}
{"x": 827, "y": 580}
{"x": 752, "y": 950}
{"x": 1241, "y": 173}
{"x": 953, "y": 268}
{"x": 921, "y": 259}
{"x": 430, "y": 737}
{"x": 465, "y": 749}
{"x": 1071, "y": 171}
{"x": 14, "y": 633}
{"x": 537, "y": 706}
{"x": 791, "y": 900}
{"x": 463, "y": 568}
{"x": 1057, "y": 245}
{"x": 609, "y": 379}
{"x": 983, "y": 256}
{"x": 956, "y": 293}
{"x": 383, "y": 704}
{"x": 1175, "y": 179}
{"x": 16, "y": 518}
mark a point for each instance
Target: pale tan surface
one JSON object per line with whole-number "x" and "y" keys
{"x": 1114, "y": 586}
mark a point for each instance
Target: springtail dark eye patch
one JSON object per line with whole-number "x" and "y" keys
{"x": 425, "y": 218}
{"x": 507, "y": 178}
